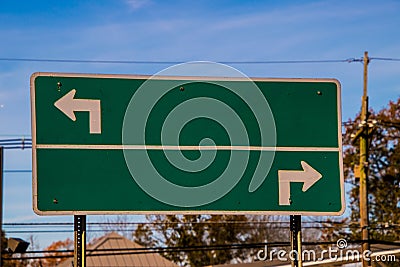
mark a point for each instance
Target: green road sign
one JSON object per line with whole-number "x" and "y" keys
{"x": 167, "y": 144}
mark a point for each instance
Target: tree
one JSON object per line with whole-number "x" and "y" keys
{"x": 384, "y": 171}
{"x": 200, "y": 240}
{"x": 5, "y": 256}
{"x": 33, "y": 245}
{"x": 333, "y": 230}
{"x": 196, "y": 240}
{"x": 118, "y": 224}
{"x": 55, "y": 250}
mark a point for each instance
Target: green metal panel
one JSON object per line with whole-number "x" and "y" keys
{"x": 76, "y": 172}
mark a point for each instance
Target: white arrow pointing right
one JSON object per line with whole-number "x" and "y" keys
{"x": 309, "y": 176}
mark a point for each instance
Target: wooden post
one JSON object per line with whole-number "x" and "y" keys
{"x": 364, "y": 220}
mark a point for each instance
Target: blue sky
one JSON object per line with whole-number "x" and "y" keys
{"x": 149, "y": 30}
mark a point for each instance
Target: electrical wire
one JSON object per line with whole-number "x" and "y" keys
{"x": 245, "y": 62}
{"x": 46, "y": 224}
{"x": 132, "y": 230}
{"x": 151, "y": 250}
{"x": 162, "y": 223}
{"x": 16, "y": 143}
{"x": 384, "y": 58}
{"x": 160, "y": 62}
{"x": 17, "y": 171}
{"x": 391, "y": 227}
{"x": 145, "y": 250}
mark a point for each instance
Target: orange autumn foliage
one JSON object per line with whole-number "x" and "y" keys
{"x": 57, "y": 249}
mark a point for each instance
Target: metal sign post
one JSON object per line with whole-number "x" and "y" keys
{"x": 79, "y": 240}
{"x": 295, "y": 240}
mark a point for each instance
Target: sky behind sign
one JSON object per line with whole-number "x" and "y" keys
{"x": 274, "y": 32}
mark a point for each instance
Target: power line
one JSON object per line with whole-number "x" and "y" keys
{"x": 17, "y": 171}
{"x": 15, "y": 135}
{"x": 15, "y": 140}
{"x": 134, "y": 229}
{"x": 123, "y": 224}
{"x": 160, "y": 223}
{"x": 177, "y": 228}
{"x": 384, "y": 58}
{"x": 47, "y": 60}
{"x": 16, "y": 143}
{"x": 18, "y": 147}
{"x": 144, "y": 250}
{"x": 151, "y": 250}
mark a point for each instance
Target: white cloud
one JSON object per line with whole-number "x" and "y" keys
{"x": 137, "y": 4}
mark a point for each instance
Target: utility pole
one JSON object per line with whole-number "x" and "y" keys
{"x": 364, "y": 220}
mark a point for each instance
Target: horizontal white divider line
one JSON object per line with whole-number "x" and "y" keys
{"x": 166, "y": 147}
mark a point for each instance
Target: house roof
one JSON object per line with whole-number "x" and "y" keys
{"x": 125, "y": 257}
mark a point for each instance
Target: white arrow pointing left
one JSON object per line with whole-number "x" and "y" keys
{"x": 68, "y": 105}
{"x": 309, "y": 176}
